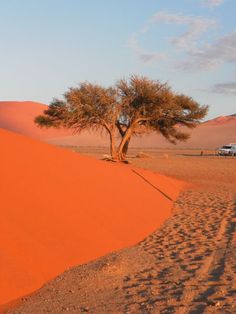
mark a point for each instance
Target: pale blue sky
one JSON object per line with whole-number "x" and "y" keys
{"x": 50, "y": 45}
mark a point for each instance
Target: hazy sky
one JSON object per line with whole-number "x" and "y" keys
{"x": 50, "y": 45}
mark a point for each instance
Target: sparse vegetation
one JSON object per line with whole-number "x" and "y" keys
{"x": 132, "y": 107}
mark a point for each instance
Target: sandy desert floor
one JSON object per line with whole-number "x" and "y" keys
{"x": 188, "y": 265}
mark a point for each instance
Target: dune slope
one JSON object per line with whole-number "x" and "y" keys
{"x": 18, "y": 116}
{"x": 208, "y": 135}
{"x": 60, "y": 209}
{"x": 188, "y": 265}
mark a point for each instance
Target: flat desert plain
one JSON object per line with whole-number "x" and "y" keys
{"x": 187, "y": 265}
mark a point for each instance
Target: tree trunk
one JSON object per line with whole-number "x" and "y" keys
{"x": 111, "y": 131}
{"x": 113, "y": 151}
{"x": 124, "y": 144}
{"x": 126, "y": 147}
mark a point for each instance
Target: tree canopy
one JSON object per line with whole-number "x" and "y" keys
{"x": 131, "y": 107}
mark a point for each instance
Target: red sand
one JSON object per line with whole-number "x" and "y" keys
{"x": 60, "y": 209}
{"x": 209, "y": 135}
{"x": 222, "y": 120}
{"x": 18, "y": 116}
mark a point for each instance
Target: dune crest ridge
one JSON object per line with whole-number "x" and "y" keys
{"x": 18, "y": 116}
{"x": 60, "y": 209}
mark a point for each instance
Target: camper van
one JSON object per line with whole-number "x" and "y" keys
{"x": 227, "y": 150}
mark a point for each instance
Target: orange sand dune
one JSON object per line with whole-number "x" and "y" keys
{"x": 221, "y": 120}
{"x": 59, "y": 209}
{"x": 205, "y": 136}
{"x": 208, "y": 135}
{"x": 18, "y": 116}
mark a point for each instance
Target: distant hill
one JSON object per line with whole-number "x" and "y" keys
{"x": 230, "y": 119}
{"x": 208, "y": 135}
{"x": 18, "y": 116}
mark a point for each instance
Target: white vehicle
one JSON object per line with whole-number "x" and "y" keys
{"x": 227, "y": 150}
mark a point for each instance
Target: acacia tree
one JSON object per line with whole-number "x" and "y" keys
{"x": 87, "y": 107}
{"x": 132, "y": 107}
{"x": 148, "y": 105}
